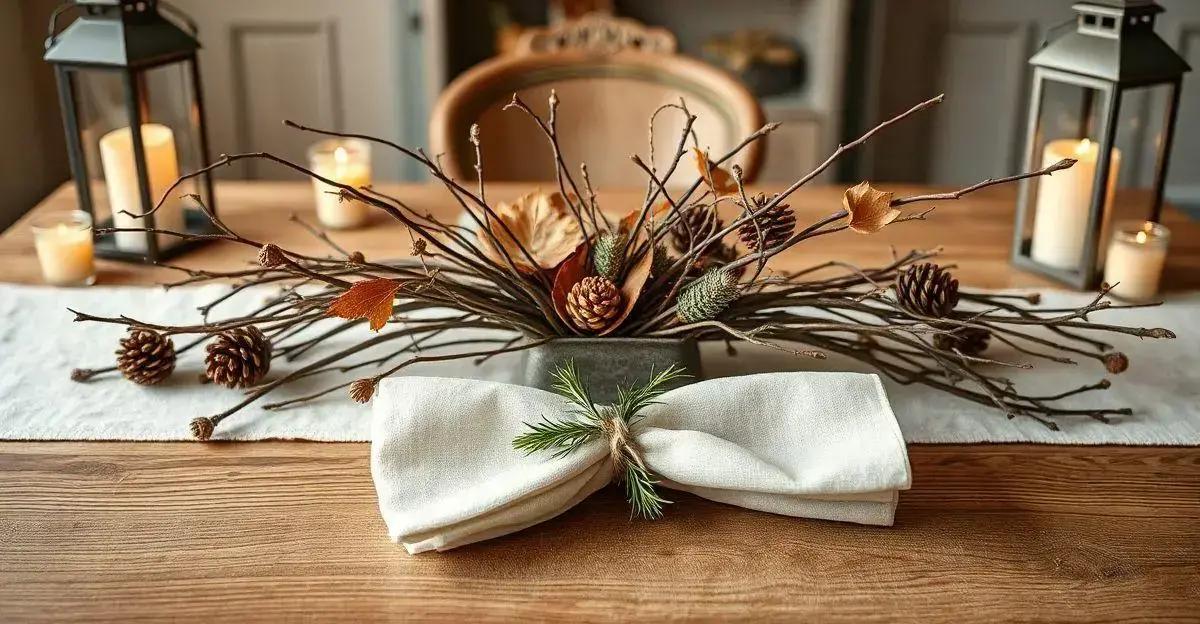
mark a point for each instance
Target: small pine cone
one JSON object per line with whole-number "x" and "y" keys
{"x": 660, "y": 262}
{"x": 362, "y": 390}
{"x": 145, "y": 357}
{"x": 270, "y": 255}
{"x": 202, "y": 428}
{"x": 1116, "y": 362}
{"x": 774, "y": 225}
{"x": 969, "y": 340}
{"x": 238, "y": 358}
{"x": 707, "y": 296}
{"x": 593, "y": 303}
{"x": 608, "y": 256}
{"x": 927, "y": 290}
{"x": 696, "y": 225}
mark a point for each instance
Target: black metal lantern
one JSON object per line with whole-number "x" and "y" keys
{"x": 1106, "y": 94}
{"x": 129, "y": 88}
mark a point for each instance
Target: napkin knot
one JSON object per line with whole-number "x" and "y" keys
{"x": 621, "y": 445}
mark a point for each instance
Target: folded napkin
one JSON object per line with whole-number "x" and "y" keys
{"x": 815, "y": 445}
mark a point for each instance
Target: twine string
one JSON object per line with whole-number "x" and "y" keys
{"x": 621, "y": 446}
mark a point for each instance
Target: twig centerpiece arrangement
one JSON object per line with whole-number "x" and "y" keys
{"x": 553, "y": 265}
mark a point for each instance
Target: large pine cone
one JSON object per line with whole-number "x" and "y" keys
{"x": 145, "y": 357}
{"x": 593, "y": 303}
{"x": 927, "y": 290}
{"x": 238, "y": 358}
{"x": 696, "y": 225}
{"x": 969, "y": 340}
{"x": 774, "y": 225}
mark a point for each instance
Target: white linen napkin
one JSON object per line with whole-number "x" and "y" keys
{"x": 815, "y": 445}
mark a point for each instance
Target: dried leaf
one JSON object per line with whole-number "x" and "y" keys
{"x": 870, "y": 209}
{"x": 542, "y": 223}
{"x": 719, "y": 180}
{"x": 629, "y": 220}
{"x": 569, "y": 273}
{"x": 635, "y": 279}
{"x": 370, "y": 299}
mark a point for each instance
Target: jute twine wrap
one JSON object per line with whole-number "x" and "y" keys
{"x": 621, "y": 446}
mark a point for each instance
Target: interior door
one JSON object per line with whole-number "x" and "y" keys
{"x": 346, "y": 65}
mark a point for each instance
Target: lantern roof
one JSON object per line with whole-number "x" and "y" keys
{"x": 1114, "y": 40}
{"x": 120, "y": 33}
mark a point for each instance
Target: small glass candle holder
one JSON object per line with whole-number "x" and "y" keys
{"x": 1135, "y": 259}
{"x": 64, "y": 248}
{"x": 347, "y": 161}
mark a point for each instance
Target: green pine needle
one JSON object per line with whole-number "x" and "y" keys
{"x": 567, "y": 436}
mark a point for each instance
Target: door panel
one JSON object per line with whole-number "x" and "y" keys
{"x": 337, "y": 65}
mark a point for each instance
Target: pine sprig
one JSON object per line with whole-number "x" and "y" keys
{"x": 589, "y": 423}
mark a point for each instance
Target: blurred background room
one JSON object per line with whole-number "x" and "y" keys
{"x": 827, "y": 69}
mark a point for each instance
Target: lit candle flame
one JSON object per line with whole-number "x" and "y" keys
{"x": 1083, "y": 147}
{"x": 1142, "y": 237}
{"x": 340, "y": 156}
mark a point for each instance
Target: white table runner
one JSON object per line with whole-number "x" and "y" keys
{"x": 39, "y": 345}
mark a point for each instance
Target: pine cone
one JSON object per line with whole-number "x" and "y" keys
{"x": 608, "y": 255}
{"x": 660, "y": 261}
{"x": 969, "y": 340}
{"x": 146, "y": 357}
{"x": 927, "y": 290}
{"x": 707, "y": 296}
{"x": 593, "y": 303}
{"x": 774, "y": 225}
{"x": 702, "y": 222}
{"x": 238, "y": 358}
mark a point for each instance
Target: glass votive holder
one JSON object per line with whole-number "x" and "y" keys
{"x": 1136, "y": 255}
{"x": 346, "y": 161}
{"x": 63, "y": 240}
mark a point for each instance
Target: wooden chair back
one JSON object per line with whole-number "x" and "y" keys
{"x": 610, "y": 76}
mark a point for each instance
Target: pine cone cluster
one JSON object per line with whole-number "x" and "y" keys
{"x": 967, "y": 340}
{"x": 593, "y": 303}
{"x": 238, "y": 358}
{"x": 927, "y": 290}
{"x": 145, "y": 357}
{"x": 774, "y": 226}
{"x": 707, "y": 296}
{"x": 608, "y": 256}
{"x": 696, "y": 225}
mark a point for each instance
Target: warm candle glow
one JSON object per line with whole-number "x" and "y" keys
{"x": 1135, "y": 259}
{"x": 124, "y": 193}
{"x": 345, "y": 162}
{"x": 1063, "y": 206}
{"x": 64, "y": 248}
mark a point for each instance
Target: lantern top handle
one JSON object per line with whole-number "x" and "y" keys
{"x": 122, "y": 33}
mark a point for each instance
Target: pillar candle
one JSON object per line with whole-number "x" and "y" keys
{"x": 1135, "y": 260}
{"x": 64, "y": 248}
{"x": 347, "y": 162}
{"x": 120, "y": 176}
{"x": 1063, "y": 200}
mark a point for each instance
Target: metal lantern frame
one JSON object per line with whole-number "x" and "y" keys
{"x": 1112, "y": 50}
{"x": 128, "y": 38}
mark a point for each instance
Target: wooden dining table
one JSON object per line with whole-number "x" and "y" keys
{"x": 289, "y": 530}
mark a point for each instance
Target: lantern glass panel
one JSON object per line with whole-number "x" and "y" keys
{"x": 1141, "y": 128}
{"x": 160, "y": 101}
{"x": 1069, "y": 122}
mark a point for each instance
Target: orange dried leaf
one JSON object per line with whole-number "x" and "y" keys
{"x": 569, "y": 273}
{"x": 369, "y": 299}
{"x": 542, "y": 223}
{"x": 629, "y": 220}
{"x": 635, "y": 280}
{"x": 870, "y": 209}
{"x": 719, "y": 180}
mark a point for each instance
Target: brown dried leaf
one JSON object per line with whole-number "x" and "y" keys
{"x": 635, "y": 279}
{"x": 370, "y": 299}
{"x": 719, "y": 180}
{"x": 542, "y": 223}
{"x": 569, "y": 273}
{"x": 629, "y": 220}
{"x": 870, "y": 209}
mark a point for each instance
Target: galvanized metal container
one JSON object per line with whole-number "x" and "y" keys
{"x": 606, "y": 364}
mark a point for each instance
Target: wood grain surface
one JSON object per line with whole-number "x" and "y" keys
{"x": 268, "y": 531}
